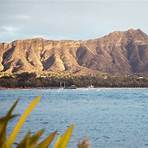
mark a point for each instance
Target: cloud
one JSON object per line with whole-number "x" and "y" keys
{"x": 9, "y": 33}
{"x": 9, "y": 29}
{"x": 70, "y": 19}
{"x": 23, "y": 17}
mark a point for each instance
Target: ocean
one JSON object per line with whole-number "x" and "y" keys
{"x": 110, "y": 117}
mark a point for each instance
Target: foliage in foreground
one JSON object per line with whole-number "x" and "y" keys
{"x": 31, "y": 141}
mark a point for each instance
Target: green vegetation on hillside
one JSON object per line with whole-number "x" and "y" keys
{"x": 24, "y": 80}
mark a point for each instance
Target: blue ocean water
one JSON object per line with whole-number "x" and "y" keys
{"x": 110, "y": 117}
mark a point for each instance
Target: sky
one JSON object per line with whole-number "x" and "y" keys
{"x": 70, "y": 19}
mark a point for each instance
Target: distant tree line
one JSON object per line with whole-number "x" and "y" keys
{"x": 25, "y": 80}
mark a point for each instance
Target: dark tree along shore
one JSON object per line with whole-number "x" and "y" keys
{"x": 26, "y": 80}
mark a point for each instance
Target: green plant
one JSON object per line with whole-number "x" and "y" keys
{"x": 29, "y": 141}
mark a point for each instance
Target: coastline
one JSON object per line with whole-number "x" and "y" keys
{"x": 105, "y": 87}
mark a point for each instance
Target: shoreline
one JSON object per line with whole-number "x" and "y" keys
{"x": 21, "y": 88}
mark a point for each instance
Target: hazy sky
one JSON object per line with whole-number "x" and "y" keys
{"x": 69, "y": 19}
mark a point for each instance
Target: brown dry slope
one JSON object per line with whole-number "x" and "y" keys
{"x": 117, "y": 53}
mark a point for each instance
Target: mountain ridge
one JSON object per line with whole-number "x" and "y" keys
{"x": 119, "y": 52}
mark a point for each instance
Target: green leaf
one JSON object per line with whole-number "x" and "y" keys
{"x": 34, "y": 139}
{"x": 47, "y": 141}
{"x": 15, "y": 131}
{"x": 25, "y": 142}
{"x": 4, "y": 122}
{"x": 63, "y": 140}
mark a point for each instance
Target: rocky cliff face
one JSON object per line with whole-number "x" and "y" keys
{"x": 117, "y": 53}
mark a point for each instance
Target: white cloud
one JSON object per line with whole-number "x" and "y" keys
{"x": 40, "y": 36}
{"x": 9, "y": 33}
{"x": 9, "y": 29}
{"x": 70, "y": 19}
{"x": 23, "y": 17}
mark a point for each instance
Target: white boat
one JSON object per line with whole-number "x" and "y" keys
{"x": 91, "y": 86}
